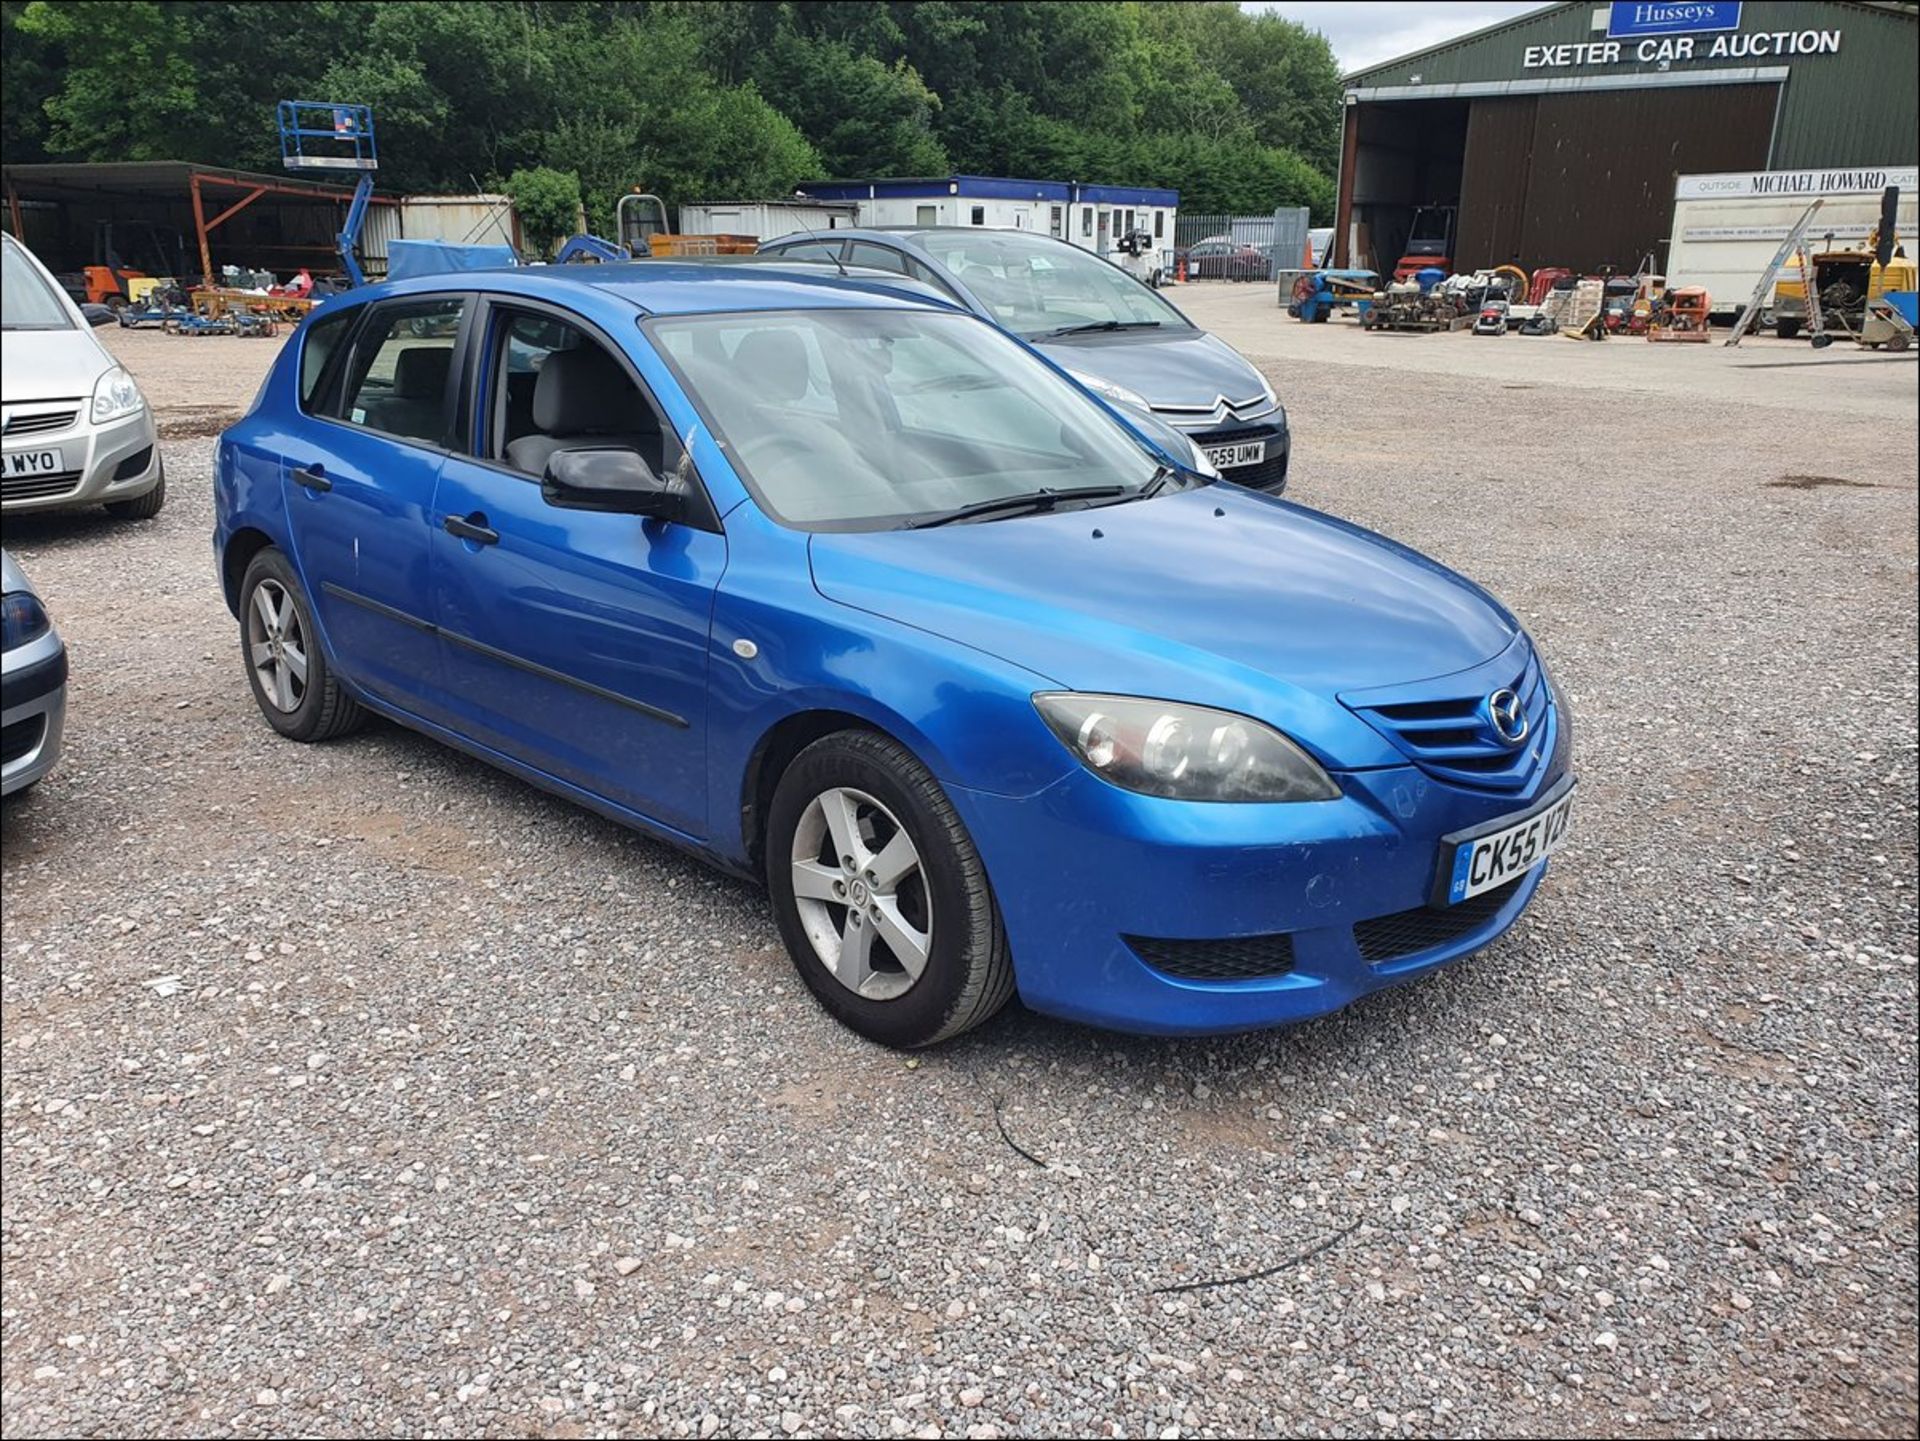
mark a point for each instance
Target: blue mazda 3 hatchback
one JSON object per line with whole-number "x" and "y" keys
{"x": 860, "y": 595}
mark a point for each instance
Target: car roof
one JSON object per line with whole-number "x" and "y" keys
{"x": 913, "y": 232}
{"x": 681, "y": 287}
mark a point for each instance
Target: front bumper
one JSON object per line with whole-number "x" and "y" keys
{"x": 116, "y": 461}
{"x": 1331, "y": 897}
{"x": 33, "y": 710}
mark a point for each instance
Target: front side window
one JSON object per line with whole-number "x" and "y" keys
{"x": 864, "y": 419}
{"x": 556, "y": 387}
{"x": 397, "y": 381}
{"x": 1035, "y": 286}
{"x": 27, "y": 302}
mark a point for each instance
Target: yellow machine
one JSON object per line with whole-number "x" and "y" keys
{"x": 1845, "y": 281}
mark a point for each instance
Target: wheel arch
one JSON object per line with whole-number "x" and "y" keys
{"x": 242, "y": 546}
{"x": 775, "y": 751}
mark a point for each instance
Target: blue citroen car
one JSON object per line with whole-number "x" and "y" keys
{"x": 859, "y": 595}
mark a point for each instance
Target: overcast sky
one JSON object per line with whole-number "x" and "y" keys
{"x": 1365, "y": 32}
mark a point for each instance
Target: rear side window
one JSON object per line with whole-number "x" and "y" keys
{"x": 396, "y": 382}
{"x": 318, "y": 344}
{"x": 879, "y": 257}
{"x": 813, "y": 250}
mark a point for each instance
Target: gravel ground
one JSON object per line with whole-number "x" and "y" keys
{"x": 358, "y": 1090}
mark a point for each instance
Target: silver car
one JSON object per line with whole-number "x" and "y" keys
{"x": 33, "y": 683}
{"x": 74, "y": 428}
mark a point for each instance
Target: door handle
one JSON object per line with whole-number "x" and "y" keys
{"x": 473, "y": 528}
{"x": 311, "y": 478}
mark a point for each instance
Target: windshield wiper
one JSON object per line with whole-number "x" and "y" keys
{"x": 1159, "y": 482}
{"x": 1033, "y": 502}
{"x": 1093, "y": 325}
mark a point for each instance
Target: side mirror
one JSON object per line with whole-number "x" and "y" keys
{"x": 611, "y": 480}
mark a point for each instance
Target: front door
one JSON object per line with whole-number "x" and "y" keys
{"x": 573, "y": 641}
{"x": 359, "y": 483}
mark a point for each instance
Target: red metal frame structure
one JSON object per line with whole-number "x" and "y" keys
{"x": 162, "y": 180}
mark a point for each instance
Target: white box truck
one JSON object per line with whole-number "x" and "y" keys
{"x": 1727, "y": 227}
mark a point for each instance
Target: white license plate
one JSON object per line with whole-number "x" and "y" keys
{"x": 33, "y": 462}
{"x": 1482, "y": 862}
{"x": 1249, "y": 452}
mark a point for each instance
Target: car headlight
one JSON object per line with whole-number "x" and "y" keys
{"x": 115, "y": 395}
{"x": 21, "y": 619}
{"x": 1107, "y": 390}
{"x": 1183, "y": 752}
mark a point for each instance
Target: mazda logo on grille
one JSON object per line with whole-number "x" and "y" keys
{"x": 1509, "y": 717}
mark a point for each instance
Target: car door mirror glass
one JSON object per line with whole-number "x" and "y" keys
{"x": 612, "y": 479}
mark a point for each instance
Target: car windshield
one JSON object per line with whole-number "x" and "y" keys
{"x": 27, "y": 302}
{"x": 864, "y": 419}
{"x": 1036, "y": 286}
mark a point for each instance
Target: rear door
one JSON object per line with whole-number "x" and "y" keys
{"x": 573, "y": 641}
{"x": 359, "y": 479}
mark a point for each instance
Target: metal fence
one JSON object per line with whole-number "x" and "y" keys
{"x": 1241, "y": 247}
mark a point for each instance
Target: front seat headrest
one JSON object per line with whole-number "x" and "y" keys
{"x": 420, "y": 372}
{"x": 773, "y": 363}
{"x": 583, "y": 391}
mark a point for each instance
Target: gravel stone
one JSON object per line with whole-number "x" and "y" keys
{"x": 551, "y": 1047}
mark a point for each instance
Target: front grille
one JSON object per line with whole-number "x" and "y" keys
{"x": 45, "y": 420}
{"x": 1426, "y": 928}
{"x": 1270, "y": 474}
{"x": 20, "y": 738}
{"x": 1239, "y": 958}
{"x": 38, "y": 487}
{"x": 1454, "y": 739}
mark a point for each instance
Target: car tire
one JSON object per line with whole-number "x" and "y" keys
{"x": 142, "y": 507}
{"x": 944, "y": 902}
{"x": 1786, "y": 329}
{"x": 309, "y": 707}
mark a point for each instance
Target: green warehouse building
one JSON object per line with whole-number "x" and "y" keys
{"x": 1558, "y": 138}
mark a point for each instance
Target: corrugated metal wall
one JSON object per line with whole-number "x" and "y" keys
{"x": 1493, "y": 189}
{"x": 1586, "y": 180}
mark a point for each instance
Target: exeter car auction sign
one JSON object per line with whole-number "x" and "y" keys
{"x": 1630, "y": 19}
{"x": 1663, "y": 51}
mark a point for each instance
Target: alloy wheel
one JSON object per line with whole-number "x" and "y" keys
{"x": 276, "y": 646}
{"x": 861, "y": 893}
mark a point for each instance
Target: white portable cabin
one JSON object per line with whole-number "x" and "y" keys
{"x": 1726, "y": 227}
{"x": 1093, "y": 217}
{"x": 765, "y": 219}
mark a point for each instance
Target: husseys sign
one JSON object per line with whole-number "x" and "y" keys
{"x": 1630, "y": 19}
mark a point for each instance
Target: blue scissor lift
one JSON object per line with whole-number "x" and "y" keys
{"x": 322, "y": 135}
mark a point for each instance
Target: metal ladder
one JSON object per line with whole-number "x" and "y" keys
{"x": 1794, "y": 245}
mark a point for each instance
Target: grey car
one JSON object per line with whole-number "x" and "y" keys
{"x": 33, "y": 683}
{"x": 74, "y": 428}
{"x": 1118, "y": 337}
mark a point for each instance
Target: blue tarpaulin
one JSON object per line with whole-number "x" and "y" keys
{"x": 407, "y": 259}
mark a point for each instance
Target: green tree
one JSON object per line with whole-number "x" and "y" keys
{"x": 864, "y": 115}
{"x": 548, "y": 203}
{"x": 696, "y": 99}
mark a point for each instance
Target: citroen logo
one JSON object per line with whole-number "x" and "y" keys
{"x": 1508, "y": 716}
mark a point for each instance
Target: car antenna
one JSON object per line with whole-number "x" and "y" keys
{"x": 838, "y": 264}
